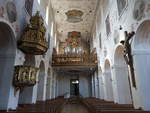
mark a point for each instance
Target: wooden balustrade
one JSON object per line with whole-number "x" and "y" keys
{"x": 74, "y": 60}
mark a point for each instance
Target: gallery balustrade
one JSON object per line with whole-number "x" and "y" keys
{"x": 74, "y": 60}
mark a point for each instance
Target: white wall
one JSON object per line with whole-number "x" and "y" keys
{"x": 128, "y": 23}
{"x": 84, "y": 88}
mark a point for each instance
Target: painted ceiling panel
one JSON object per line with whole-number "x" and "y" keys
{"x": 76, "y": 21}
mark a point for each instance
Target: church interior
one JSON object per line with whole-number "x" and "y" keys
{"x": 75, "y": 56}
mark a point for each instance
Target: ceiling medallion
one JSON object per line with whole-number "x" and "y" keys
{"x": 74, "y": 16}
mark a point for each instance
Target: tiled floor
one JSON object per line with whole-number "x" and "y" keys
{"x": 74, "y": 108}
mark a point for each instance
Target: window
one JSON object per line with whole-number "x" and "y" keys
{"x": 121, "y": 4}
{"x": 52, "y": 29}
{"x": 107, "y": 22}
{"x": 39, "y": 1}
{"x": 100, "y": 43}
{"x": 47, "y": 14}
{"x": 29, "y": 6}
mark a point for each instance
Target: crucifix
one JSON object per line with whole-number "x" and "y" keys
{"x": 128, "y": 54}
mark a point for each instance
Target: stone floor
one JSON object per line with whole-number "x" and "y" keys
{"x": 74, "y": 108}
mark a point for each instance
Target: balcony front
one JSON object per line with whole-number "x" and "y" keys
{"x": 72, "y": 60}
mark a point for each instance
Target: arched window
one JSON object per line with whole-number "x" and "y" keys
{"x": 29, "y": 6}
{"x": 100, "y": 41}
{"x": 47, "y": 14}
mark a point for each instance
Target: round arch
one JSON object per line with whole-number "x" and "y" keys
{"x": 142, "y": 36}
{"x": 122, "y": 77}
{"x": 7, "y": 60}
{"x": 141, "y": 56}
{"x": 108, "y": 81}
{"x": 41, "y": 80}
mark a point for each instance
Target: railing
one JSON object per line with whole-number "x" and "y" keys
{"x": 74, "y": 60}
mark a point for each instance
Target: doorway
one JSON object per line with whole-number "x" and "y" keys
{"x": 74, "y": 87}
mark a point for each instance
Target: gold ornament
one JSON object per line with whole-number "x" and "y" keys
{"x": 33, "y": 40}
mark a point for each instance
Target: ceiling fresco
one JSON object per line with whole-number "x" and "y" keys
{"x": 74, "y": 15}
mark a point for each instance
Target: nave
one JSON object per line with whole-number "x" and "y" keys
{"x": 98, "y": 50}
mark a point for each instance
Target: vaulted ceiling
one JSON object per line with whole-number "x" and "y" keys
{"x": 74, "y": 15}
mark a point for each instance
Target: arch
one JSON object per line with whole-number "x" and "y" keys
{"x": 141, "y": 59}
{"x": 108, "y": 81}
{"x": 122, "y": 78}
{"x": 41, "y": 80}
{"x": 10, "y": 26}
{"x": 7, "y": 60}
{"x": 118, "y": 56}
{"x": 142, "y": 36}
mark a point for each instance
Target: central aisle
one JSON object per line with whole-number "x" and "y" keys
{"x": 74, "y": 108}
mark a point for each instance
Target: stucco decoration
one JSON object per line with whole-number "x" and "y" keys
{"x": 74, "y": 16}
{"x": 105, "y": 51}
{"x": 148, "y": 8}
{"x": 11, "y": 12}
{"x": 139, "y": 9}
{"x": 2, "y": 12}
{"x": 122, "y": 4}
{"x": 29, "y": 6}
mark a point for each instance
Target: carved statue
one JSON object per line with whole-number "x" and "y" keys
{"x": 128, "y": 54}
{"x": 37, "y": 23}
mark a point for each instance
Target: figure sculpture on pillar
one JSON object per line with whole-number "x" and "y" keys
{"x": 128, "y": 54}
{"x": 127, "y": 47}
